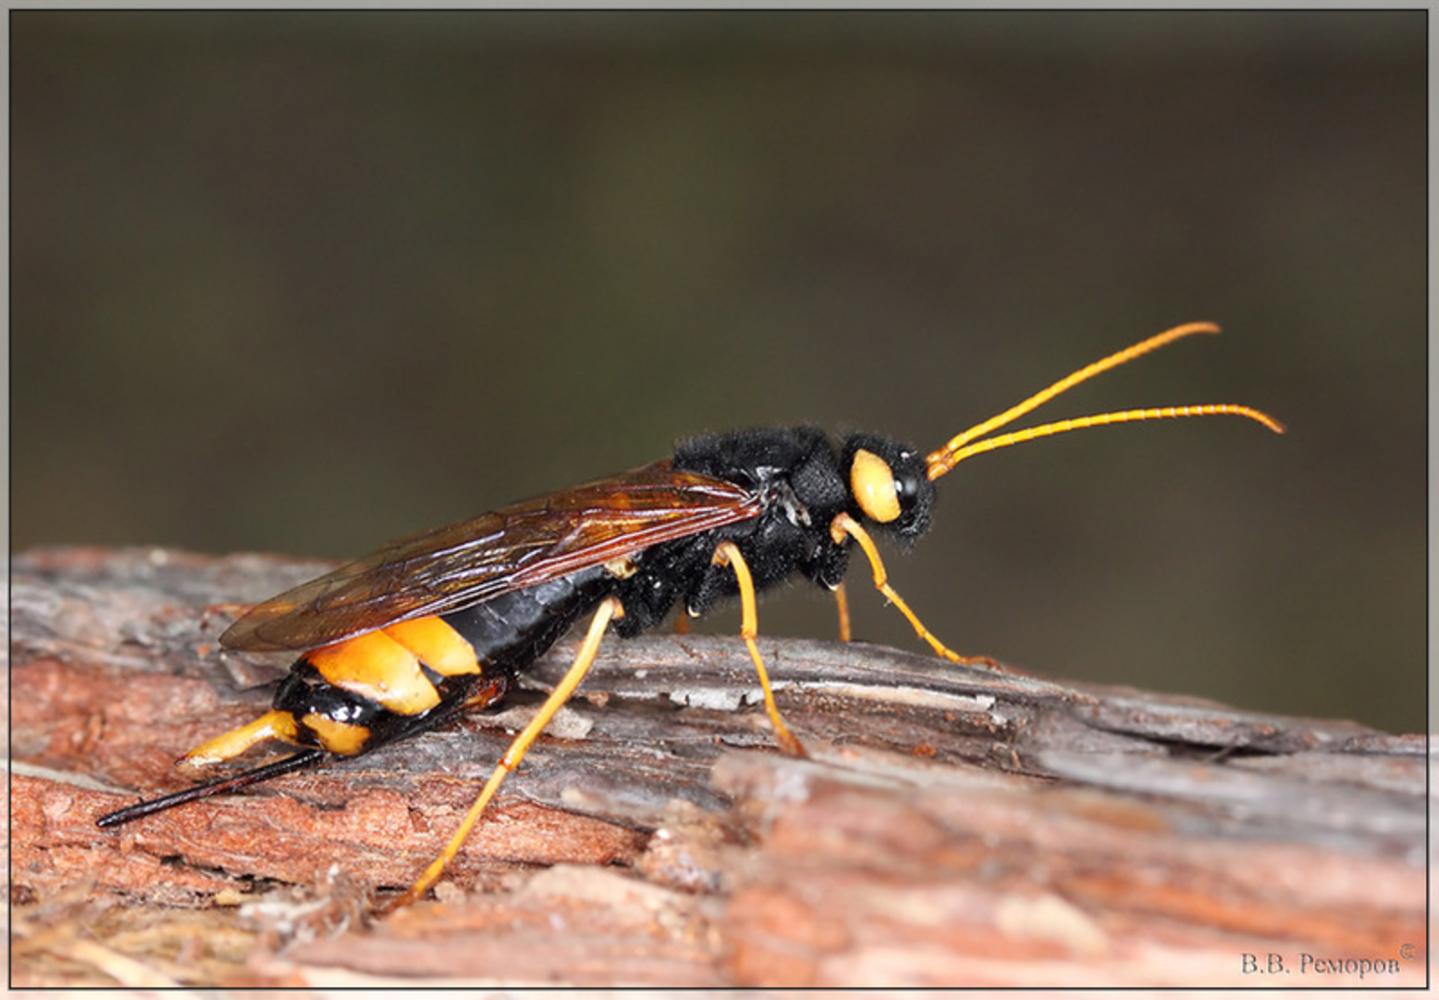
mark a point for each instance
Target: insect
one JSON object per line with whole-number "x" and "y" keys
{"x": 394, "y": 643}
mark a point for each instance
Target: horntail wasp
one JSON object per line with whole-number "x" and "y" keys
{"x": 427, "y": 626}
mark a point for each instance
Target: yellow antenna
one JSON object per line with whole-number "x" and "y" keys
{"x": 960, "y": 447}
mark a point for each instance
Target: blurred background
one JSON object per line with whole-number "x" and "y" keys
{"x": 304, "y": 282}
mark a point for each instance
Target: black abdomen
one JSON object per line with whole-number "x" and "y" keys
{"x": 361, "y": 693}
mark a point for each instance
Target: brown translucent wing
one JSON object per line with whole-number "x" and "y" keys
{"x": 453, "y": 567}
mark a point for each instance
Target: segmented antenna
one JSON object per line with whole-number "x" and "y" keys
{"x": 960, "y": 447}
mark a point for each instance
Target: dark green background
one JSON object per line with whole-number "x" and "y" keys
{"x": 305, "y": 282}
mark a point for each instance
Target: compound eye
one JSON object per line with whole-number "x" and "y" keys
{"x": 871, "y": 480}
{"x": 907, "y": 487}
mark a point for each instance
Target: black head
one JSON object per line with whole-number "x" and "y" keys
{"x": 888, "y": 483}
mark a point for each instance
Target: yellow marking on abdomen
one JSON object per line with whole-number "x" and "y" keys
{"x": 437, "y": 644}
{"x": 377, "y": 667}
{"x": 337, "y": 737}
{"x": 273, "y": 725}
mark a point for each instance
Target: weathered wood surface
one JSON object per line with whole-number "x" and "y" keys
{"x": 952, "y": 827}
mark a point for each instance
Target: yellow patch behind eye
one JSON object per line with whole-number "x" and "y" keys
{"x": 871, "y": 480}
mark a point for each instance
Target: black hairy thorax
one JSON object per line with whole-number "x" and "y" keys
{"x": 801, "y": 480}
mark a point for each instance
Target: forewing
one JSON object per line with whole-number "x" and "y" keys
{"x": 508, "y": 549}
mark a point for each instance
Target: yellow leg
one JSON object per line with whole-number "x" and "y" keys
{"x": 842, "y": 599}
{"x": 728, "y": 554}
{"x": 844, "y": 525}
{"x": 608, "y": 610}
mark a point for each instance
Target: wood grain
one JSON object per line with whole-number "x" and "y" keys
{"x": 952, "y": 826}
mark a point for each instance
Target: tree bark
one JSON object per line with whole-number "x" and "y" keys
{"x": 951, "y": 826}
